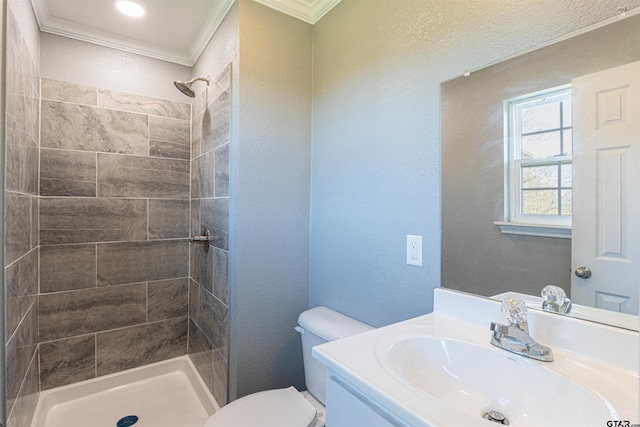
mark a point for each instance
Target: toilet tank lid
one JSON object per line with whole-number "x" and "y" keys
{"x": 330, "y": 325}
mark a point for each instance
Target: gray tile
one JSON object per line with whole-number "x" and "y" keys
{"x": 67, "y": 361}
{"x": 167, "y": 299}
{"x": 219, "y": 390}
{"x": 165, "y": 129}
{"x": 17, "y": 226}
{"x": 201, "y": 266}
{"x": 196, "y": 135}
{"x": 222, "y": 171}
{"x": 194, "y": 221}
{"x": 21, "y": 412}
{"x": 168, "y": 219}
{"x": 20, "y": 350}
{"x": 144, "y": 104}
{"x": 80, "y": 220}
{"x": 202, "y": 176}
{"x": 145, "y": 344}
{"x": 214, "y": 214}
{"x": 168, "y": 149}
{"x": 67, "y": 173}
{"x": 211, "y": 318}
{"x": 22, "y": 168}
{"x": 35, "y": 221}
{"x": 142, "y": 261}
{"x": 199, "y": 103}
{"x": 16, "y": 309}
{"x": 201, "y": 354}
{"x": 57, "y": 90}
{"x": 21, "y": 277}
{"x": 220, "y": 274}
{"x": 67, "y": 314}
{"x": 67, "y": 267}
{"x": 215, "y": 123}
{"x": 131, "y": 176}
{"x": 80, "y": 127}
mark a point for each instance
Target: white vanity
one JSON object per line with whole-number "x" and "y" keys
{"x": 441, "y": 370}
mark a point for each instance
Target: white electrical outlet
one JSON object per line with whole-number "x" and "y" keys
{"x": 414, "y": 250}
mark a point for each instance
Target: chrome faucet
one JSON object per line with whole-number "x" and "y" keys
{"x": 555, "y": 300}
{"x": 515, "y": 336}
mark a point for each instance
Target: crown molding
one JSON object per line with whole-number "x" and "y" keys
{"x": 310, "y": 11}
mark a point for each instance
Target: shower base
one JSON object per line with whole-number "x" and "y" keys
{"x": 164, "y": 394}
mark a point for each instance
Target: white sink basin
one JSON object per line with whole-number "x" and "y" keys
{"x": 475, "y": 379}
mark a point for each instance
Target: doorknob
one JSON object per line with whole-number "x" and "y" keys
{"x": 583, "y": 272}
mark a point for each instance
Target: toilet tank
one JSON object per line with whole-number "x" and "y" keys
{"x": 317, "y": 326}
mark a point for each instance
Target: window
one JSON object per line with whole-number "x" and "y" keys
{"x": 538, "y": 147}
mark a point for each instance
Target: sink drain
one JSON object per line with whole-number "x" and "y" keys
{"x": 496, "y": 417}
{"x": 127, "y": 421}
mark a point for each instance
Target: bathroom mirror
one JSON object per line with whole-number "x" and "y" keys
{"x": 476, "y": 256}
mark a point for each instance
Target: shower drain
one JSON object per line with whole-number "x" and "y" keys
{"x": 496, "y": 417}
{"x": 127, "y": 421}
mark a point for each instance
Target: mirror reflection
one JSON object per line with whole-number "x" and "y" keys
{"x": 524, "y": 202}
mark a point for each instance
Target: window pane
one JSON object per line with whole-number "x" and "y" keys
{"x": 541, "y": 145}
{"x": 566, "y": 114}
{"x": 540, "y": 176}
{"x": 539, "y": 202}
{"x": 567, "y": 142}
{"x": 566, "y": 176}
{"x": 567, "y": 208}
{"x": 542, "y": 117}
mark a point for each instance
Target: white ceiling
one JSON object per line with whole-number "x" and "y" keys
{"x": 171, "y": 30}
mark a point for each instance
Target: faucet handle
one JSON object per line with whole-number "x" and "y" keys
{"x": 515, "y": 310}
{"x": 555, "y": 299}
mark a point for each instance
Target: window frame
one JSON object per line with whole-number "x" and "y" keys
{"x": 514, "y": 221}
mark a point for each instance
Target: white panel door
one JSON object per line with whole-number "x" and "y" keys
{"x": 606, "y": 189}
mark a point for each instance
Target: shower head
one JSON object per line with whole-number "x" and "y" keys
{"x": 185, "y": 87}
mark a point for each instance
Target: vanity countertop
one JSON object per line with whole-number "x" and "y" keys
{"x": 600, "y": 360}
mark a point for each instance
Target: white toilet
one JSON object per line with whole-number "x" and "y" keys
{"x": 288, "y": 407}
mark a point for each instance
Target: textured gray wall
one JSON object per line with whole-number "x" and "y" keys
{"x": 269, "y": 211}
{"x": 477, "y": 257}
{"x": 377, "y": 69}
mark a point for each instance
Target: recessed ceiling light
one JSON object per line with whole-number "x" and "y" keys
{"x": 130, "y": 8}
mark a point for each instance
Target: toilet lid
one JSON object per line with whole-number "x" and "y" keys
{"x": 277, "y": 408}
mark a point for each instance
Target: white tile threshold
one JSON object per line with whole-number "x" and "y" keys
{"x": 164, "y": 394}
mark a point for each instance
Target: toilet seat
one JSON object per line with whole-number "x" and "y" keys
{"x": 276, "y": 408}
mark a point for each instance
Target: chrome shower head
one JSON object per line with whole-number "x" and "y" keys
{"x": 185, "y": 87}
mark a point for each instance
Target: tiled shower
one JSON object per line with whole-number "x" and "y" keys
{"x": 100, "y": 201}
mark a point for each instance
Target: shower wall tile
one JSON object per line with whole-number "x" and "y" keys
{"x": 80, "y": 220}
{"x": 35, "y": 221}
{"x": 19, "y": 351}
{"x": 21, "y": 277}
{"x": 17, "y": 226}
{"x": 201, "y": 354}
{"x": 16, "y": 310}
{"x": 22, "y": 168}
{"x": 219, "y": 389}
{"x": 129, "y": 176}
{"x": 210, "y": 314}
{"x": 68, "y": 314}
{"x": 169, "y": 138}
{"x": 201, "y": 267}
{"x": 220, "y": 275}
{"x": 67, "y": 267}
{"x": 81, "y": 127}
{"x": 57, "y": 90}
{"x": 142, "y": 261}
{"x": 221, "y": 187}
{"x": 196, "y": 135}
{"x": 194, "y": 221}
{"x": 202, "y": 176}
{"x": 67, "y": 361}
{"x": 215, "y": 213}
{"x": 215, "y": 124}
{"x": 22, "y": 411}
{"x": 168, "y": 219}
{"x": 144, "y": 344}
{"x": 67, "y": 173}
{"x": 143, "y": 104}
{"x": 167, "y": 299}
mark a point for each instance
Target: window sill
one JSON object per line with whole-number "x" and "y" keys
{"x": 558, "y": 231}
